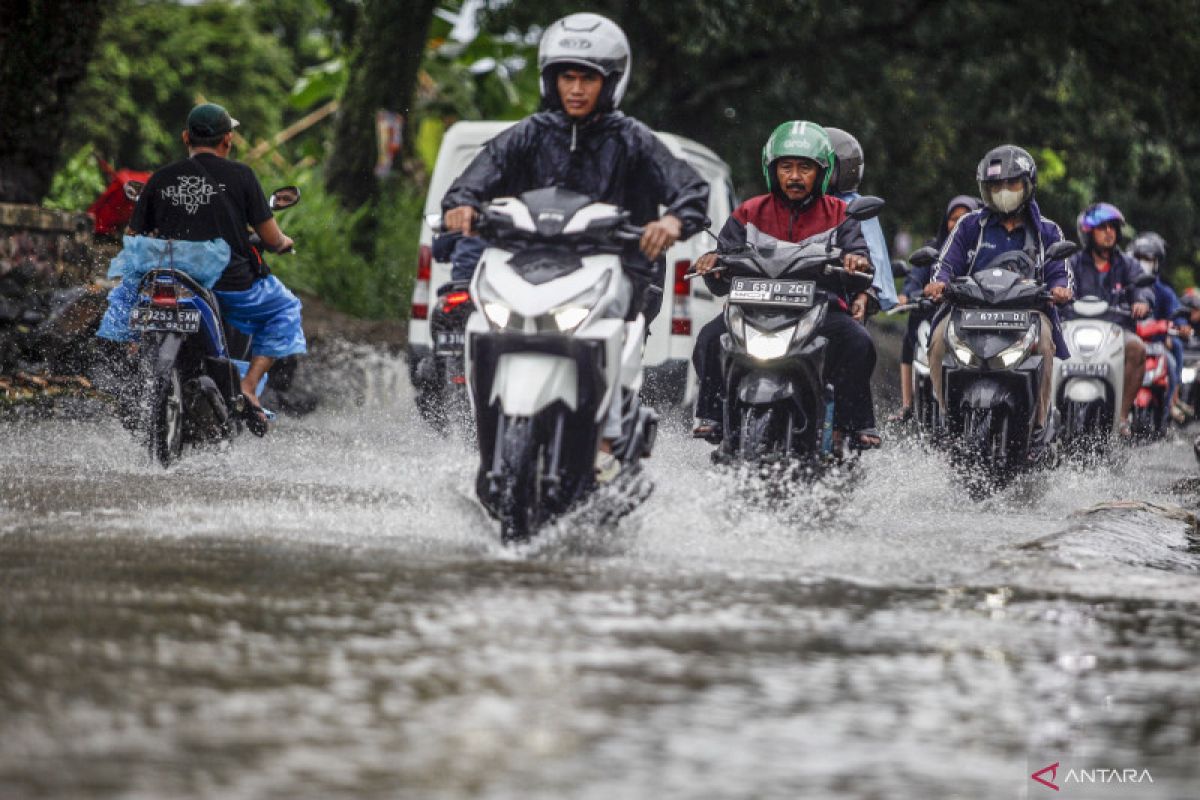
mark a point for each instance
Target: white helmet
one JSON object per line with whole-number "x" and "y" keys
{"x": 591, "y": 41}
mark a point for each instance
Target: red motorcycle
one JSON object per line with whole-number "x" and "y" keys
{"x": 1151, "y": 405}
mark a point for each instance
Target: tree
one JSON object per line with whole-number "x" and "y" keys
{"x": 45, "y": 46}
{"x": 383, "y": 72}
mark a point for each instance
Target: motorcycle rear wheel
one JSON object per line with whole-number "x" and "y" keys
{"x": 164, "y": 417}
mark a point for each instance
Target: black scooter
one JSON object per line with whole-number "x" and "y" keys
{"x": 991, "y": 371}
{"x": 777, "y": 404}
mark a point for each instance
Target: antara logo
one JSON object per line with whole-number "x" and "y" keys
{"x": 1047, "y": 776}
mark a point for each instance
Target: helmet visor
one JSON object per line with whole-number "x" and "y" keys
{"x": 1006, "y": 196}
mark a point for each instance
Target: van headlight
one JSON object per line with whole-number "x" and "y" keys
{"x": 1015, "y": 353}
{"x": 959, "y": 348}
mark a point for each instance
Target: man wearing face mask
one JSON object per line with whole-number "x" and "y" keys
{"x": 1102, "y": 270}
{"x": 1010, "y": 220}
{"x": 1149, "y": 250}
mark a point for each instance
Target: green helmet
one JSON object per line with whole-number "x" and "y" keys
{"x": 799, "y": 139}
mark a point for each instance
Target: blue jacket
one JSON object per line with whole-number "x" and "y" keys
{"x": 1166, "y": 303}
{"x": 1113, "y": 286}
{"x": 884, "y": 283}
{"x": 958, "y": 258}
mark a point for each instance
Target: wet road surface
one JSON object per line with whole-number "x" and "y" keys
{"x": 328, "y": 613}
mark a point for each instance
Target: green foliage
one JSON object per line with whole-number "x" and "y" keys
{"x": 77, "y": 184}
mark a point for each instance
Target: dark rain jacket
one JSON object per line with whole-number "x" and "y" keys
{"x": 769, "y": 218}
{"x": 957, "y": 259}
{"x": 1114, "y": 286}
{"x": 609, "y": 157}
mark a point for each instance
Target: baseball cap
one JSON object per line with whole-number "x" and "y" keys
{"x": 210, "y": 119}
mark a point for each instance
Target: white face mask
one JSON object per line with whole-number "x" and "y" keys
{"x": 1007, "y": 201}
{"x": 1149, "y": 265}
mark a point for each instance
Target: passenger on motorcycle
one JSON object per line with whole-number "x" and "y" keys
{"x": 1010, "y": 220}
{"x": 849, "y": 164}
{"x": 797, "y": 164}
{"x": 580, "y": 141}
{"x": 1149, "y": 250}
{"x": 914, "y": 283}
{"x": 1102, "y": 270}
{"x": 208, "y": 196}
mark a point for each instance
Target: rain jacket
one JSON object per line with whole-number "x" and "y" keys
{"x": 917, "y": 277}
{"x": 609, "y": 157}
{"x": 769, "y": 218}
{"x": 1113, "y": 286}
{"x": 885, "y": 282}
{"x": 957, "y": 258}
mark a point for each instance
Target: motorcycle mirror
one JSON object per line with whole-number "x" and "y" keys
{"x": 133, "y": 189}
{"x": 1144, "y": 280}
{"x": 285, "y": 197}
{"x": 925, "y": 257}
{"x": 865, "y": 207}
{"x": 1060, "y": 250}
{"x": 434, "y": 221}
{"x": 900, "y": 268}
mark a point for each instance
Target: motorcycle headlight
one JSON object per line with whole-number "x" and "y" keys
{"x": 1015, "y": 353}
{"x": 570, "y": 315}
{"x": 1088, "y": 339}
{"x": 765, "y": 346}
{"x": 498, "y": 313}
{"x": 959, "y": 348}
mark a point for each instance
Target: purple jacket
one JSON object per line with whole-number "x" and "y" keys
{"x": 958, "y": 258}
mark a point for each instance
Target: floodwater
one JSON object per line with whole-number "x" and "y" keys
{"x": 327, "y": 613}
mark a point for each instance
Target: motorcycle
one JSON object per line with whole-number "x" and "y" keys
{"x": 188, "y": 382}
{"x": 778, "y": 407}
{"x": 991, "y": 370}
{"x": 550, "y": 357}
{"x": 442, "y": 378}
{"x": 1090, "y": 385}
{"x": 1151, "y": 405}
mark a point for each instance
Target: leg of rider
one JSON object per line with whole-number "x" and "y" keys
{"x": 633, "y": 306}
{"x": 1175, "y": 345}
{"x": 907, "y": 348}
{"x": 1135, "y": 371}
{"x": 1046, "y": 379}
{"x": 849, "y": 362}
{"x": 937, "y": 352}
{"x": 706, "y": 358}
{"x": 258, "y": 367}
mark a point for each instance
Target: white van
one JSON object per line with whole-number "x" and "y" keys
{"x": 687, "y": 305}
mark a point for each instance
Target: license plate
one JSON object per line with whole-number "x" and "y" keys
{"x": 449, "y": 341}
{"x": 178, "y": 320}
{"x": 1072, "y": 369}
{"x": 989, "y": 320}
{"x": 760, "y": 291}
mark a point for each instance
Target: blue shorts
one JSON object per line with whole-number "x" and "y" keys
{"x": 268, "y": 311}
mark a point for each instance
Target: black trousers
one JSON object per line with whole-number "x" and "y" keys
{"x": 849, "y": 363}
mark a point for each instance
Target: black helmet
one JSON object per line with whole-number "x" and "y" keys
{"x": 1002, "y": 164}
{"x": 1150, "y": 250}
{"x": 848, "y": 161}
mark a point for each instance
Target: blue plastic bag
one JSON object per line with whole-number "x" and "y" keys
{"x": 203, "y": 261}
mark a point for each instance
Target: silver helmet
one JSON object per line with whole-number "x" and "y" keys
{"x": 849, "y": 162}
{"x": 591, "y": 41}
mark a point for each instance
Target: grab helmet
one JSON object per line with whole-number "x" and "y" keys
{"x": 590, "y": 41}
{"x": 799, "y": 139}
{"x": 1005, "y": 163}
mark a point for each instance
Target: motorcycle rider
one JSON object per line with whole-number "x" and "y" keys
{"x": 849, "y": 164}
{"x": 797, "y": 163}
{"x": 911, "y": 290}
{"x": 1102, "y": 270}
{"x": 209, "y": 196}
{"x": 1149, "y": 250}
{"x": 1010, "y": 221}
{"x": 580, "y": 141}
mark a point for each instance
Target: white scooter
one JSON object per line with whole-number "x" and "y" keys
{"x": 552, "y": 363}
{"x": 1089, "y": 386}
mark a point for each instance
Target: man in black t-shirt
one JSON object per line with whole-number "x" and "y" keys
{"x": 207, "y": 196}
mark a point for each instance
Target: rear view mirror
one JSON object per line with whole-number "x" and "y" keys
{"x": 925, "y": 257}
{"x": 865, "y": 207}
{"x": 1060, "y": 250}
{"x": 133, "y": 189}
{"x": 434, "y": 221}
{"x": 900, "y": 268}
{"x": 286, "y": 197}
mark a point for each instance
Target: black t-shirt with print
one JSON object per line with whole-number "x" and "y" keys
{"x": 183, "y": 201}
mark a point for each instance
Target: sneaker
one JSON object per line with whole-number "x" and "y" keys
{"x": 607, "y": 467}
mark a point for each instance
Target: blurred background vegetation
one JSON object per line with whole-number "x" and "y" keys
{"x": 1103, "y": 93}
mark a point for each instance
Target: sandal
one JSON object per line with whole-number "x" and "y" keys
{"x": 707, "y": 429}
{"x": 258, "y": 419}
{"x": 866, "y": 439}
{"x": 905, "y": 414}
